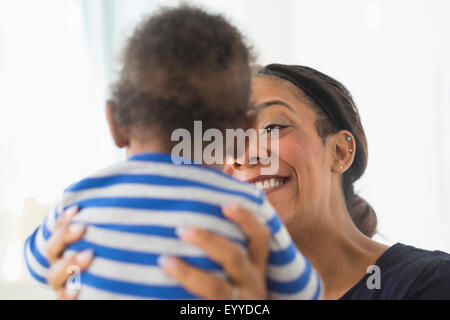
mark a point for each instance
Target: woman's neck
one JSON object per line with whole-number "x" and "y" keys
{"x": 338, "y": 250}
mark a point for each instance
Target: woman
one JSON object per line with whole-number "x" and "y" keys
{"x": 322, "y": 152}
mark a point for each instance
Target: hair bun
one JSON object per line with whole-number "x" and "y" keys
{"x": 363, "y": 215}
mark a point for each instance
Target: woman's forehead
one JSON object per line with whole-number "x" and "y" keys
{"x": 265, "y": 89}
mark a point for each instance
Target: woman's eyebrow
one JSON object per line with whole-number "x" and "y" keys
{"x": 260, "y": 107}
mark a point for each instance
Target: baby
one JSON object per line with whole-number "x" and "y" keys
{"x": 180, "y": 65}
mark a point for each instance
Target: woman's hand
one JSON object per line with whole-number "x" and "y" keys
{"x": 247, "y": 273}
{"x": 64, "y": 235}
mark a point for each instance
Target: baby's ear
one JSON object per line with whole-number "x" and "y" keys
{"x": 118, "y": 133}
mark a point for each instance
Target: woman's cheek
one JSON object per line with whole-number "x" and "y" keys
{"x": 297, "y": 158}
{"x": 285, "y": 201}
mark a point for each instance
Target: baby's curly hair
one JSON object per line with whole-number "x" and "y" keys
{"x": 183, "y": 64}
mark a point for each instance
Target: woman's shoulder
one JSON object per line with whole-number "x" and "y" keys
{"x": 407, "y": 272}
{"x": 429, "y": 272}
{"x": 412, "y": 257}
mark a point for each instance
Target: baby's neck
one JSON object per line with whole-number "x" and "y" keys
{"x": 136, "y": 147}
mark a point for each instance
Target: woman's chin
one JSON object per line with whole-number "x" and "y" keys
{"x": 284, "y": 214}
{"x": 278, "y": 199}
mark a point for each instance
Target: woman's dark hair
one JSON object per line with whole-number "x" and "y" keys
{"x": 183, "y": 64}
{"x": 336, "y": 111}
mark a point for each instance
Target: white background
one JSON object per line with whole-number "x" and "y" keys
{"x": 56, "y": 58}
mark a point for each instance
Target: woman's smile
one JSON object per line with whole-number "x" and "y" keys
{"x": 269, "y": 184}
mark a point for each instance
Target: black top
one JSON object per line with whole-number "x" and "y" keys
{"x": 406, "y": 272}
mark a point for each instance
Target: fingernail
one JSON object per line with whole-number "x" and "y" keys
{"x": 85, "y": 256}
{"x": 185, "y": 231}
{"x": 179, "y": 230}
{"x": 165, "y": 261}
{"x": 230, "y": 206}
{"x": 72, "y": 211}
{"x": 77, "y": 228}
{"x": 162, "y": 260}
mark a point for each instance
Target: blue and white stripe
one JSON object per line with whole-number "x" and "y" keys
{"x": 132, "y": 210}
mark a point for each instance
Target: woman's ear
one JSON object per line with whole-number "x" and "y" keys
{"x": 118, "y": 133}
{"x": 343, "y": 151}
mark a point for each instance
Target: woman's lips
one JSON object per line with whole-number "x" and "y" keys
{"x": 269, "y": 184}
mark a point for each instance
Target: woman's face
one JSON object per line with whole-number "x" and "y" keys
{"x": 304, "y": 170}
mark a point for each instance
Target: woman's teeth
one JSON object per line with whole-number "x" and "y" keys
{"x": 268, "y": 184}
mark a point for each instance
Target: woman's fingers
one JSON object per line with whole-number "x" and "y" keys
{"x": 247, "y": 273}
{"x": 64, "y": 234}
{"x": 257, "y": 233}
{"x": 64, "y": 268}
{"x": 228, "y": 254}
{"x": 61, "y": 269}
{"x": 61, "y": 238}
{"x": 196, "y": 281}
{"x": 66, "y": 216}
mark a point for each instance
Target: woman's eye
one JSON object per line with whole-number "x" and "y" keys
{"x": 269, "y": 128}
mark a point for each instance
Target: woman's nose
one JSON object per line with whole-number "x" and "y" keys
{"x": 246, "y": 161}
{"x": 238, "y": 164}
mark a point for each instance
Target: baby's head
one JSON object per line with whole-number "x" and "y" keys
{"x": 180, "y": 65}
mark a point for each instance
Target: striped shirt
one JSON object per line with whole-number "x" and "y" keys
{"x": 132, "y": 210}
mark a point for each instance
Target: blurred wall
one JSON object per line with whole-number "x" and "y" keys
{"x": 57, "y": 57}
